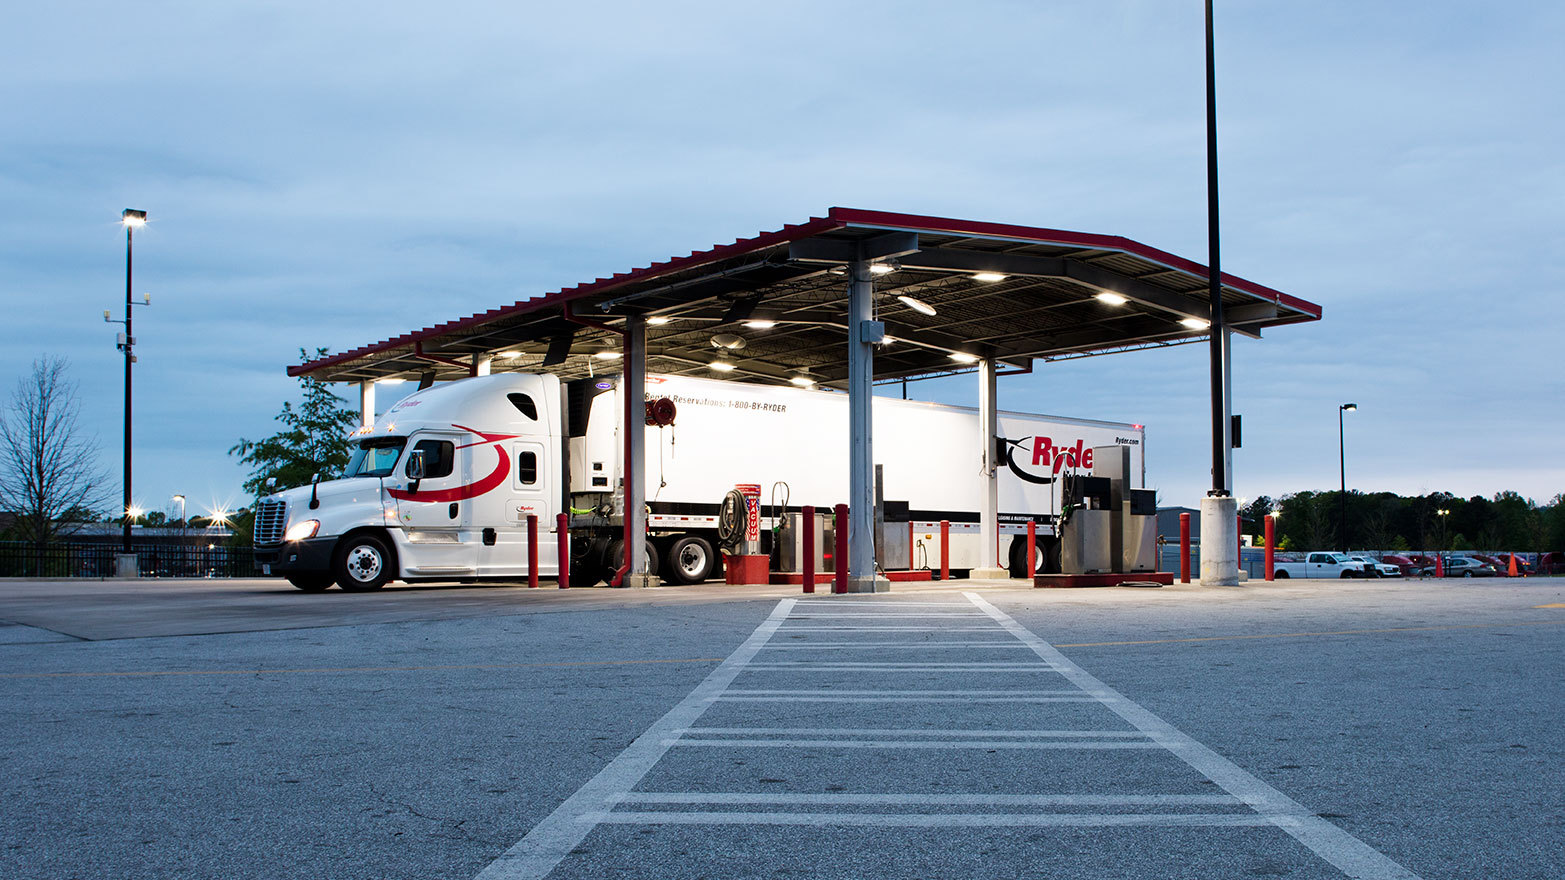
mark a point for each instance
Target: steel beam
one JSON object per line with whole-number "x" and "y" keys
{"x": 367, "y": 402}
{"x": 989, "y": 498}
{"x": 861, "y": 444}
{"x": 829, "y": 250}
{"x": 633, "y": 385}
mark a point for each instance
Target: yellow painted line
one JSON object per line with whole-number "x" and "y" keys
{"x": 1551, "y": 605}
{"x": 348, "y": 669}
{"x": 1340, "y": 632}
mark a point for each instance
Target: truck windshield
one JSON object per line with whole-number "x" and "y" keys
{"x": 375, "y": 457}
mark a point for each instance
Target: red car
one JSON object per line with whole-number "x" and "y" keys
{"x": 1407, "y": 564}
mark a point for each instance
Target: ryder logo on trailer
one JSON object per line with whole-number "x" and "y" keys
{"x": 1039, "y": 460}
{"x": 494, "y": 480}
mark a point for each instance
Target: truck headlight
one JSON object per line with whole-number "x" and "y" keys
{"x": 301, "y": 530}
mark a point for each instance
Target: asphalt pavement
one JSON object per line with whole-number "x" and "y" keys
{"x": 1305, "y": 729}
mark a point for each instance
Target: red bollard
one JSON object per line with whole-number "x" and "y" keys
{"x": 840, "y": 564}
{"x": 1184, "y": 548}
{"x": 1032, "y": 548}
{"x": 945, "y": 549}
{"x": 532, "y": 551}
{"x": 1271, "y": 544}
{"x": 809, "y": 548}
{"x": 562, "y": 527}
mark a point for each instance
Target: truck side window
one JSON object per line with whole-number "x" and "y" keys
{"x": 524, "y": 405}
{"x": 438, "y": 456}
{"x": 527, "y": 468}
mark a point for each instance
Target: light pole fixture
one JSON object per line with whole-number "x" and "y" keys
{"x": 181, "y": 500}
{"x": 132, "y": 220}
{"x": 1442, "y": 513}
{"x": 1342, "y": 463}
{"x": 1219, "y": 353}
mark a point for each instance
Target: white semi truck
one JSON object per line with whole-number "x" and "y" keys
{"x": 441, "y": 486}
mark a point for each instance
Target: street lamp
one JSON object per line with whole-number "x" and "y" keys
{"x": 132, "y": 220}
{"x": 181, "y": 500}
{"x": 1342, "y": 461}
{"x": 1442, "y": 513}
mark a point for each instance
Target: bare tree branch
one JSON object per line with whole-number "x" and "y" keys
{"x": 48, "y": 465}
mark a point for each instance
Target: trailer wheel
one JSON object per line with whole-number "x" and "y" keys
{"x": 1018, "y": 557}
{"x": 690, "y": 560}
{"x": 1281, "y": 575}
{"x": 615, "y": 557}
{"x": 362, "y": 563}
{"x": 310, "y": 583}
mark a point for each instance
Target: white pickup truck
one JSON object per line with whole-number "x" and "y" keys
{"x": 1323, "y": 565}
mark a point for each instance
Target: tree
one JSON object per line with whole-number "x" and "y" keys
{"x": 314, "y": 438}
{"x": 49, "y": 470}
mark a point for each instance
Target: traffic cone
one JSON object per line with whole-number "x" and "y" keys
{"x": 1512, "y": 571}
{"x": 1439, "y": 567}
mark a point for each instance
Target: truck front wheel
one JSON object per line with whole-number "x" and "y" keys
{"x": 362, "y": 563}
{"x": 690, "y": 560}
{"x": 1280, "y": 574}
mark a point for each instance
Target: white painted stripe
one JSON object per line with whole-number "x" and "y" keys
{"x": 891, "y": 670}
{"x": 910, "y": 744}
{"x": 881, "y": 603}
{"x": 908, "y": 731}
{"x": 551, "y": 839}
{"x": 893, "y": 664}
{"x": 1344, "y": 851}
{"x": 880, "y": 615}
{"x": 954, "y": 800}
{"x": 780, "y": 699}
{"x": 887, "y": 629}
{"x": 901, "y": 693}
{"x": 906, "y": 646}
{"x": 932, "y": 820}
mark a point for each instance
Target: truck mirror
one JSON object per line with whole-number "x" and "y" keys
{"x": 415, "y": 467}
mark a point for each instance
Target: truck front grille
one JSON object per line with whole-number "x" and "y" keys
{"x": 270, "y": 519}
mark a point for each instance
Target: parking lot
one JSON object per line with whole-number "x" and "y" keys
{"x": 1301, "y": 729}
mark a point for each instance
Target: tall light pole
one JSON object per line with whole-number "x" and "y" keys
{"x": 1442, "y": 513}
{"x": 1342, "y": 461}
{"x": 1222, "y": 443}
{"x": 132, "y": 220}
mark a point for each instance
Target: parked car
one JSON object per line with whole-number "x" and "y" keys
{"x": 1551, "y": 563}
{"x": 1377, "y": 568}
{"x": 1463, "y": 566}
{"x": 1405, "y": 564}
{"x": 1319, "y": 564}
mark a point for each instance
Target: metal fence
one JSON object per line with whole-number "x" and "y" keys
{"x": 92, "y": 560}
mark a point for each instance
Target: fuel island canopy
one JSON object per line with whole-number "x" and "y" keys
{"x": 842, "y": 301}
{"x": 949, "y": 292}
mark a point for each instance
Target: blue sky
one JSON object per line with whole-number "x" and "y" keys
{"x": 332, "y": 174}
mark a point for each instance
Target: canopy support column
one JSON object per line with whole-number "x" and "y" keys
{"x": 864, "y": 332}
{"x": 367, "y": 402}
{"x": 634, "y": 387}
{"x": 989, "y": 496}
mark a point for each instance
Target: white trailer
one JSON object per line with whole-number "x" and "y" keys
{"x": 494, "y": 449}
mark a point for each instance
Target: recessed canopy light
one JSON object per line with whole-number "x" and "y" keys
{"x": 917, "y": 305}
{"x": 659, "y": 320}
{"x": 887, "y": 340}
{"x": 988, "y": 277}
{"x": 1111, "y": 299}
{"x": 963, "y": 357}
{"x": 802, "y": 380}
{"x": 760, "y": 323}
{"x": 390, "y": 380}
{"x": 722, "y": 366}
{"x": 881, "y": 268}
{"x": 1195, "y": 323}
{"x": 608, "y": 354}
{"x": 508, "y": 355}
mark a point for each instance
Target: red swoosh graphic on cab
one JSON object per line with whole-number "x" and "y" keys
{"x": 458, "y": 493}
{"x": 488, "y": 438}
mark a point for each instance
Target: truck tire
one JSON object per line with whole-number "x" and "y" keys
{"x": 1280, "y": 575}
{"x": 690, "y": 560}
{"x": 1018, "y": 557}
{"x": 313, "y": 582}
{"x": 615, "y": 557}
{"x": 362, "y": 563}
{"x": 1345, "y": 575}
{"x": 1467, "y": 574}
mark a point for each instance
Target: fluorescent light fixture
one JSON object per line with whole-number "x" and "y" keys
{"x": 760, "y": 323}
{"x": 963, "y": 357}
{"x": 917, "y": 305}
{"x": 728, "y": 341}
{"x": 390, "y": 380}
{"x": 1109, "y": 298}
{"x": 659, "y": 320}
{"x": 802, "y": 380}
{"x": 881, "y": 268}
{"x": 722, "y": 366}
{"x": 508, "y": 355}
{"x": 989, "y": 277}
{"x": 1195, "y": 323}
{"x": 608, "y": 354}
{"x": 887, "y": 340}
